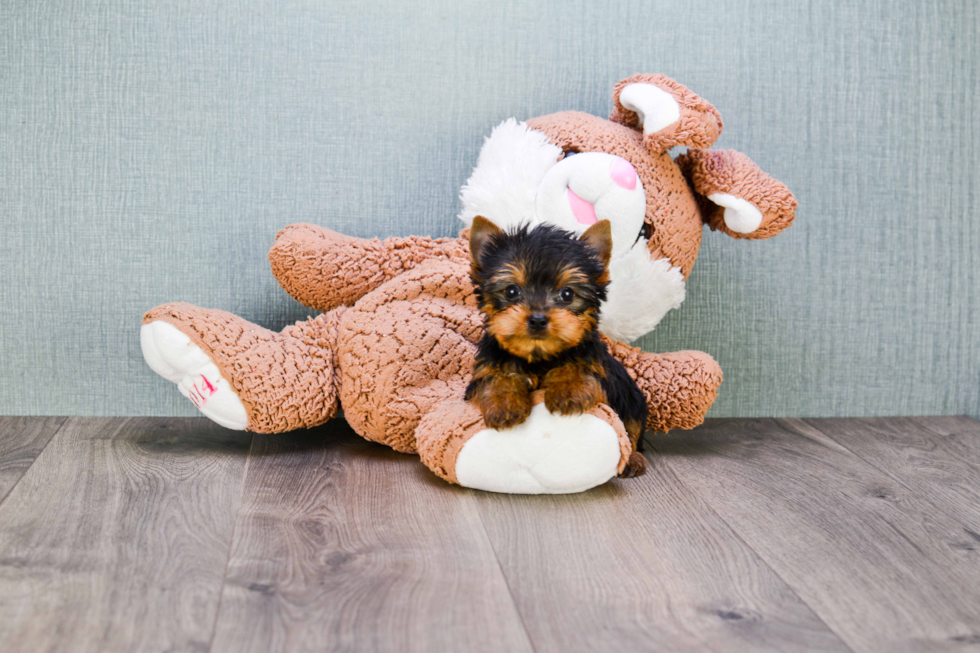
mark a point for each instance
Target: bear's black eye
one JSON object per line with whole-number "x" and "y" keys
{"x": 645, "y": 231}
{"x": 569, "y": 153}
{"x": 566, "y": 295}
{"x": 512, "y": 292}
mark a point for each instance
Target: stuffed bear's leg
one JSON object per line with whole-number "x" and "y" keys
{"x": 241, "y": 375}
{"x": 547, "y": 454}
{"x": 398, "y": 360}
{"x": 680, "y": 386}
{"x": 323, "y": 269}
{"x": 735, "y": 196}
{"x": 404, "y": 347}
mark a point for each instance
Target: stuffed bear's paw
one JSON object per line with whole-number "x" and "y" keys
{"x": 171, "y": 354}
{"x": 547, "y": 454}
{"x": 740, "y": 215}
{"x": 742, "y": 200}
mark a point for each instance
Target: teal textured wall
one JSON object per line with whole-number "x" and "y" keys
{"x": 149, "y": 152}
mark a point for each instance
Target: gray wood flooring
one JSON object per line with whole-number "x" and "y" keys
{"x": 157, "y": 534}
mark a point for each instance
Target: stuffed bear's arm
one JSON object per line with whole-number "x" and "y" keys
{"x": 323, "y": 269}
{"x": 680, "y": 386}
{"x": 668, "y": 113}
{"x": 735, "y": 195}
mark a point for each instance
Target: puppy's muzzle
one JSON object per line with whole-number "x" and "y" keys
{"x": 537, "y": 322}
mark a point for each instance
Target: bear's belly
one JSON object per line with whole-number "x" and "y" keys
{"x": 405, "y": 346}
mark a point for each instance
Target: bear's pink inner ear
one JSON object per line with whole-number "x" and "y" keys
{"x": 480, "y": 234}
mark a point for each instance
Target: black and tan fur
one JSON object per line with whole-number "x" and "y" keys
{"x": 540, "y": 291}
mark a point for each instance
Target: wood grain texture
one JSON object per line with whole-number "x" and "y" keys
{"x": 21, "y": 441}
{"x": 745, "y": 535}
{"x": 344, "y": 545}
{"x": 116, "y": 538}
{"x": 642, "y": 565}
{"x": 884, "y": 569}
{"x": 937, "y": 458}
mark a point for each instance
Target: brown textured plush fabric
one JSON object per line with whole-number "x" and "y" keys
{"x": 396, "y": 347}
{"x": 699, "y": 125}
{"x": 406, "y": 346}
{"x": 442, "y": 433}
{"x": 679, "y": 387}
{"x": 323, "y": 269}
{"x": 728, "y": 171}
{"x": 286, "y": 380}
{"x": 403, "y": 348}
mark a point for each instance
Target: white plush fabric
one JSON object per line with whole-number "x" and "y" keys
{"x": 519, "y": 179}
{"x": 547, "y": 454}
{"x": 641, "y": 291}
{"x": 513, "y": 161}
{"x": 172, "y": 355}
{"x": 588, "y": 176}
{"x": 741, "y": 216}
{"x": 655, "y": 107}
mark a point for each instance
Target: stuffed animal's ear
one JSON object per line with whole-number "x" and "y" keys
{"x": 480, "y": 234}
{"x": 599, "y": 238}
{"x": 667, "y": 113}
{"x": 735, "y": 196}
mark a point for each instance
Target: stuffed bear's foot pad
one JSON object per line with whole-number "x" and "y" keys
{"x": 172, "y": 355}
{"x": 741, "y": 216}
{"x": 547, "y": 454}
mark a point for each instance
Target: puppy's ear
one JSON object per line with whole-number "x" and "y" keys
{"x": 480, "y": 234}
{"x": 599, "y": 238}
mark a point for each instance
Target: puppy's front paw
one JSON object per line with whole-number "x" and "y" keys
{"x": 636, "y": 465}
{"x": 562, "y": 402}
{"x": 504, "y": 412}
{"x": 568, "y": 392}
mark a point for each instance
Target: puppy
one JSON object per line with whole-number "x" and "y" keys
{"x": 540, "y": 290}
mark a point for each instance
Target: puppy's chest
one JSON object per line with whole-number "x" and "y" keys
{"x": 567, "y": 364}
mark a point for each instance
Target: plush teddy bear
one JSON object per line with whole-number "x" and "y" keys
{"x": 394, "y": 345}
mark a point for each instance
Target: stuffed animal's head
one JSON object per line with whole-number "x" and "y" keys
{"x": 573, "y": 169}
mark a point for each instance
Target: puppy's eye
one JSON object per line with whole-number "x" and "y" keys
{"x": 566, "y": 295}
{"x": 512, "y": 292}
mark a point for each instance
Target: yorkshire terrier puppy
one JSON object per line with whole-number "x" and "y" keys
{"x": 540, "y": 291}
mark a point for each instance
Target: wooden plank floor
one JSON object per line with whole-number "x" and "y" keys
{"x": 159, "y": 534}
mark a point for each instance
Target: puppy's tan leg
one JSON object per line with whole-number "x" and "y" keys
{"x": 503, "y": 398}
{"x": 571, "y": 390}
{"x": 636, "y": 464}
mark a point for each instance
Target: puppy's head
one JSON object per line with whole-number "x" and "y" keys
{"x": 540, "y": 287}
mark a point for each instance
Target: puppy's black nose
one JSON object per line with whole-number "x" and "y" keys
{"x": 537, "y": 321}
